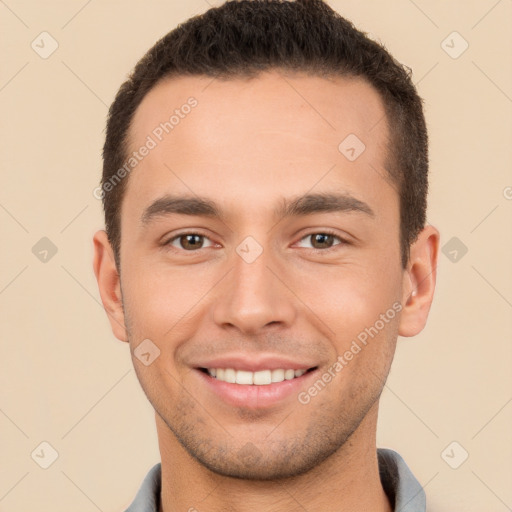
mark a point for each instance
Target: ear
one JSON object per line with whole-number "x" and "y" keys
{"x": 419, "y": 282}
{"x": 109, "y": 284}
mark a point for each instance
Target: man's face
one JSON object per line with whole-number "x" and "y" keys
{"x": 256, "y": 290}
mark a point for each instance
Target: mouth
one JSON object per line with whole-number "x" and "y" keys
{"x": 255, "y": 390}
{"x": 258, "y": 378}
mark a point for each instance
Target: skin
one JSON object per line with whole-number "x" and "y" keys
{"x": 247, "y": 145}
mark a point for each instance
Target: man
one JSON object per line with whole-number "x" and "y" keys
{"x": 264, "y": 185}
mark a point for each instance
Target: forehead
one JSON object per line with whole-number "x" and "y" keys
{"x": 271, "y": 99}
{"x": 275, "y": 133}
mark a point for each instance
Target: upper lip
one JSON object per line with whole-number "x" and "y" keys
{"x": 255, "y": 363}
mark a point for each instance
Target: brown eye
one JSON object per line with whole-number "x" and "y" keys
{"x": 188, "y": 241}
{"x": 324, "y": 240}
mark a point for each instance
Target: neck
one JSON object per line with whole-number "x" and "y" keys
{"x": 348, "y": 480}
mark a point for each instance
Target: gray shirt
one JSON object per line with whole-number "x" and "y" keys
{"x": 404, "y": 491}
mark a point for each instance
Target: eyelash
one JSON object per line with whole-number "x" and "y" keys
{"x": 323, "y": 232}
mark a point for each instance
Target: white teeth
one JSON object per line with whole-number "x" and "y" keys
{"x": 277, "y": 375}
{"x": 259, "y": 378}
{"x": 289, "y": 374}
{"x": 230, "y": 375}
{"x": 262, "y": 377}
{"x": 244, "y": 377}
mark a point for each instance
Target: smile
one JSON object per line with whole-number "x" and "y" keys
{"x": 259, "y": 378}
{"x": 264, "y": 388}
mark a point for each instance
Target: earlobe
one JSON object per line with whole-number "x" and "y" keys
{"x": 419, "y": 282}
{"x": 109, "y": 284}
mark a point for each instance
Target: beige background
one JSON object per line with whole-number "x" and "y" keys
{"x": 66, "y": 380}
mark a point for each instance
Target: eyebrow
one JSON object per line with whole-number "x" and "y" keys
{"x": 307, "y": 204}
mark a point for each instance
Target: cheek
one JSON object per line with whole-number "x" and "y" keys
{"x": 159, "y": 299}
{"x": 350, "y": 297}
{"x": 359, "y": 305}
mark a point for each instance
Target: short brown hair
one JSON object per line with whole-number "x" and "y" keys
{"x": 243, "y": 38}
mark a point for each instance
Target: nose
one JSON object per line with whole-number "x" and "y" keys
{"x": 254, "y": 297}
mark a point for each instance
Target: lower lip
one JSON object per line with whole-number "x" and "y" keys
{"x": 254, "y": 396}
